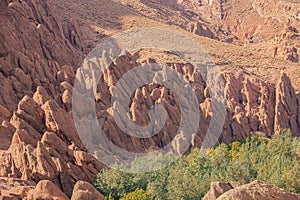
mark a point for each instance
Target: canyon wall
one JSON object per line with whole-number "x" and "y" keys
{"x": 39, "y": 55}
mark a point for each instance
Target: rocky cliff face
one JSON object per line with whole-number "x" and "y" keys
{"x": 40, "y": 142}
{"x": 260, "y": 106}
{"x": 36, "y": 129}
{"x": 34, "y": 44}
{"x": 252, "y": 105}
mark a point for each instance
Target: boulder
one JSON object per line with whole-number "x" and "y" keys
{"x": 85, "y": 191}
{"x": 46, "y": 190}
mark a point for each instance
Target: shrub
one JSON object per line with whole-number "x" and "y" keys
{"x": 138, "y": 194}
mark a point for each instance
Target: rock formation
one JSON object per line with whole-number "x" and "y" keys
{"x": 252, "y": 191}
{"x": 252, "y": 105}
{"x": 84, "y": 190}
{"x": 46, "y": 190}
{"x": 250, "y": 21}
{"x": 286, "y": 44}
{"x": 42, "y": 142}
{"x": 34, "y": 44}
{"x": 41, "y": 154}
{"x": 13, "y": 188}
{"x": 43, "y": 146}
{"x": 38, "y": 140}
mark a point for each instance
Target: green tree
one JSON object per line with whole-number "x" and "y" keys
{"x": 275, "y": 161}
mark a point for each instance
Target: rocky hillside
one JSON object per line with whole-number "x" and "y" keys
{"x": 252, "y": 105}
{"x": 35, "y": 45}
{"x": 42, "y": 43}
{"x": 266, "y": 58}
{"x": 250, "y": 21}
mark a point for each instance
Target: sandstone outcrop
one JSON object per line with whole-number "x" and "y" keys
{"x": 252, "y": 105}
{"x": 13, "y": 188}
{"x": 219, "y": 188}
{"x": 252, "y": 191}
{"x": 85, "y": 191}
{"x": 37, "y": 141}
{"x": 39, "y": 144}
{"x": 34, "y": 43}
{"x": 41, "y": 151}
{"x": 42, "y": 142}
{"x": 260, "y": 106}
{"x": 46, "y": 190}
{"x": 286, "y": 44}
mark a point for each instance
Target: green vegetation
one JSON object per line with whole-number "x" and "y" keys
{"x": 275, "y": 161}
{"x": 138, "y": 194}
